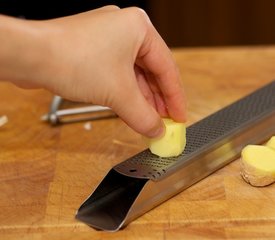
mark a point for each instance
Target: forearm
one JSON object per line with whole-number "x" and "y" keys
{"x": 108, "y": 56}
{"x": 22, "y": 51}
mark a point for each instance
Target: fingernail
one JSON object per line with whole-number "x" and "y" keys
{"x": 157, "y": 132}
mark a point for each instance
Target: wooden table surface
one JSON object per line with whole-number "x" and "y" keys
{"x": 46, "y": 172}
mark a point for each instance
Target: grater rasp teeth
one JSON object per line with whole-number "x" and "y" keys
{"x": 203, "y": 135}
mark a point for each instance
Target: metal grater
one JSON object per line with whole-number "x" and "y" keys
{"x": 145, "y": 180}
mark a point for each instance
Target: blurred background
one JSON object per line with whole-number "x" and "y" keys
{"x": 182, "y": 23}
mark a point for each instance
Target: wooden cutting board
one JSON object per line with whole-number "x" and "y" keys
{"x": 46, "y": 172}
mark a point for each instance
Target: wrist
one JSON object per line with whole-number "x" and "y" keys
{"x": 23, "y": 51}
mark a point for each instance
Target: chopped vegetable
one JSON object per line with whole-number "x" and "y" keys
{"x": 172, "y": 143}
{"x": 271, "y": 143}
{"x": 258, "y": 165}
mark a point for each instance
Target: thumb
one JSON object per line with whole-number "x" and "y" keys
{"x": 132, "y": 107}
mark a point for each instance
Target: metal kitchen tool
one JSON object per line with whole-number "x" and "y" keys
{"x": 75, "y": 114}
{"x": 142, "y": 182}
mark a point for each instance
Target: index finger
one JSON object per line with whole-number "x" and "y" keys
{"x": 155, "y": 57}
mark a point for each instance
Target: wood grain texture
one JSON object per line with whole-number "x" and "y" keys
{"x": 46, "y": 172}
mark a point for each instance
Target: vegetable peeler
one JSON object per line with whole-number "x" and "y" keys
{"x": 74, "y": 114}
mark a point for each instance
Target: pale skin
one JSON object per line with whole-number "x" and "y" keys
{"x": 108, "y": 56}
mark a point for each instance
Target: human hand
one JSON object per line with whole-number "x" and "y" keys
{"x": 112, "y": 57}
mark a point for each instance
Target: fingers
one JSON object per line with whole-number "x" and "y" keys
{"x": 108, "y": 8}
{"x": 155, "y": 57}
{"x": 132, "y": 107}
{"x": 144, "y": 86}
{"x": 158, "y": 95}
{"x": 151, "y": 92}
